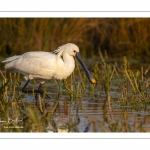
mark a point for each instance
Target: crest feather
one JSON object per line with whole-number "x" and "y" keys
{"x": 59, "y": 49}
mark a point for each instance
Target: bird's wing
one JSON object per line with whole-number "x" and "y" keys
{"x": 36, "y": 63}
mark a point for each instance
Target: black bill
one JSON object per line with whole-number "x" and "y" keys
{"x": 88, "y": 74}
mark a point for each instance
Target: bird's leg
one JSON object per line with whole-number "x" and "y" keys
{"x": 24, "y": 90}
{"x": 41, "y": 92}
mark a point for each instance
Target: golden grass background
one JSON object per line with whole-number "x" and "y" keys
{"x": 118, "y": 36}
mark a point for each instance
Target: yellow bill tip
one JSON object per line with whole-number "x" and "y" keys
{"x": 93, "y": 81}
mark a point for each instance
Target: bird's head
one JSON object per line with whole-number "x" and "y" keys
{"x": 73, "y": 50}
{"x": 68, "y": 48}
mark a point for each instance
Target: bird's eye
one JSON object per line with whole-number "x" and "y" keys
{"x": 74, "y": 51}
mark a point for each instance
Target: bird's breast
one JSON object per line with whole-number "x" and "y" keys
{"x": 64, "y": 70}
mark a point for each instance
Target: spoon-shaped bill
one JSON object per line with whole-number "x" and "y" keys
{"x": 88, "y": 74}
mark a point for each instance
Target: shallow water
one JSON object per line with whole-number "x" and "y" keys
{"x": 88, "y": 113}
{"x": 86, "y": 110}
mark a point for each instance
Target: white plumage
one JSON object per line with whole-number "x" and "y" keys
{"x": 40, "y": 65}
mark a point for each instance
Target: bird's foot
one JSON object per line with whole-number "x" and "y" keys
{"x": 42, "y": 94}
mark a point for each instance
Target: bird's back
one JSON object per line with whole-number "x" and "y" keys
{"x": 34, "y": 64}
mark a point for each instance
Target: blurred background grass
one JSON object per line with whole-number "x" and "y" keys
{"x": 118, "y": 36}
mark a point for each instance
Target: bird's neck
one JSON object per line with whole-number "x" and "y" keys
{"x": 68, "y": 62}
{"x": 65, "y": 66}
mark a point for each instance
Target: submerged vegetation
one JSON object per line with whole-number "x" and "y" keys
{"x": 119, "y": 102}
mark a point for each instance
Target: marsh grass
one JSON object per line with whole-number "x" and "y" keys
{"x": 73, "y": 97}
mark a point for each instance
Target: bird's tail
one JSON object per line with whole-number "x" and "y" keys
{"x": 10, "y": 61}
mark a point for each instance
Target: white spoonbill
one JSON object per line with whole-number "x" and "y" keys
{"x": 42, "y": 66}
